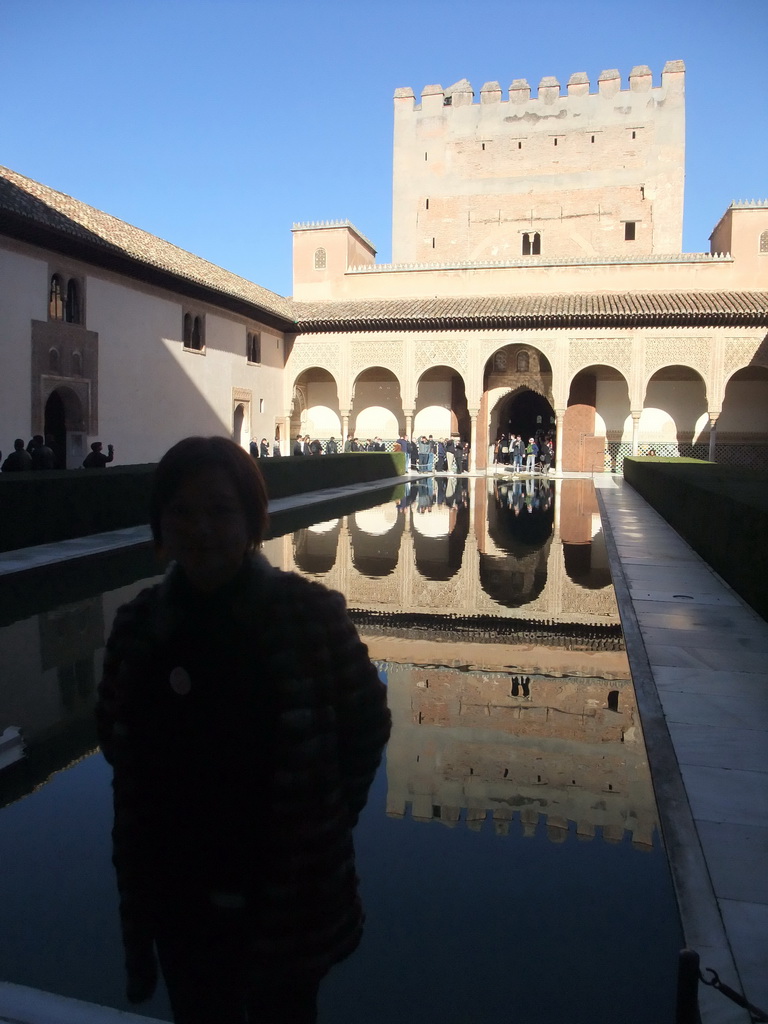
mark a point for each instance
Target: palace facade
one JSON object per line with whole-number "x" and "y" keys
{"x": 537, "y": 284}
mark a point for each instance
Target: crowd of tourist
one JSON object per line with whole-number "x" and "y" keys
{"x": 511, "y": 450}
{"x": 40, "y": 454}
{"x": 425, "y": 454}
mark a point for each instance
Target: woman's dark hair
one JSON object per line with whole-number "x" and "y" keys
{"x": 187, "y": 457}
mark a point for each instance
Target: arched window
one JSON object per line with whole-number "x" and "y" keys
{"x": 321, "y": 259}
{"x": 523, "y": 362}
{"x": 187, "y": 334}
{"x": 72, "y": 309}
{"x": 536, "y": 244}
{"x": 197, "y": 334}
{"x": 53, "y": 360}
{"x": 254, "y": 347}
{"x": 77, "y": 364}
{"x": 764, "y": 242}
{"x": 56, "y": 299}
{"x": 526, "y": 249}
{"x": 500, "y": 361}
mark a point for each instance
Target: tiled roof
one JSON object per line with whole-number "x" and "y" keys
{"x": 39, "y": 214}
{"x": 39, "y": 210}
{"x": 572, "y": 310}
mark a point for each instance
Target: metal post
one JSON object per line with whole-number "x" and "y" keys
{"x": 688, "y": 988}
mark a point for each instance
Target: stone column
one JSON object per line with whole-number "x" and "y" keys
{"x": 635, "y": 429}
{"x": 286, "y": 441}
{"x": 344, "y": 428}
{"x": 559, "y": 415}
{"x": 473, "y": 440}
{"x": 408, "y": 413}
{"x": 712, "y": 436}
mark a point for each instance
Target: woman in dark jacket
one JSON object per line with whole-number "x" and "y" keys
{"x": 244, "y": 721}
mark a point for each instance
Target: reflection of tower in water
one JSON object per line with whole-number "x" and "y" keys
{"x": 527, "y": 748}
{"x": 536, "y": 728}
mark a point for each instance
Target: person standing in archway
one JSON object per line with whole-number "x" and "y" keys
{"x": 42, "y": 454}
{"x": 518, "y": 450}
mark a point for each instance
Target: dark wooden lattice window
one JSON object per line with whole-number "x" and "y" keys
{"x": 56, "y": 299}
{"x": 197, "y": 334}
{"x": 254, "y": 347}
{"x": 187, "y": 333}
{"x": 72, "y": 308}
{"x": 523, "y": 362}
{"x": 629, "y": 231}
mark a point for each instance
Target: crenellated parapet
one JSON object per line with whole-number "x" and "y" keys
{"x": 608, "y": 85}
{"x": 321, "y": 225}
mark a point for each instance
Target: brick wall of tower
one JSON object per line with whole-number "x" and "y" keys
{"x": 472, "y": 179}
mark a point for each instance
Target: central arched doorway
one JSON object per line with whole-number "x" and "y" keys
{"x": 527, "y": 413}
{"x": 517, "y": 397}
{"x": 63, "y": 424}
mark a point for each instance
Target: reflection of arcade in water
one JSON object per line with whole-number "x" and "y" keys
{"x": 460, "y": 547}
{"x": 482, "y": 609}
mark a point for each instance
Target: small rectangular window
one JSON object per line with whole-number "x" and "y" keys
{"x": 426, "y": 204}
{"x": 261, "y": 405}
{"x": 555, "y": 141}
{"x": 519, "y": 145}
{"x": 593, "y": 138}
{"x": 629, "y": 231}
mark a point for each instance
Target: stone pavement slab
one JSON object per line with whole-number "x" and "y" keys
{"x": 699, "y": 659}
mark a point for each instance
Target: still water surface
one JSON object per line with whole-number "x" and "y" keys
{"x": 509, "y": 854}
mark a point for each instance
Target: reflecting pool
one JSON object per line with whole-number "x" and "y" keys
{"x": 509, "y": 854}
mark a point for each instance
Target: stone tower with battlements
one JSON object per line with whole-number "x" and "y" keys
{"x": 551, "y": 177}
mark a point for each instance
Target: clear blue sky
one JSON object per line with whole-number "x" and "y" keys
{"x": 217, "y": 124}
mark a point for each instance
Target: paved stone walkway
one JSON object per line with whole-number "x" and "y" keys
{"x": 699, "y": 659}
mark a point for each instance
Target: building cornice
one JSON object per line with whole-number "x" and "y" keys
{"x": 537, "y": 312}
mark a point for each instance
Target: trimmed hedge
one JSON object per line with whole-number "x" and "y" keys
{"x": 721, "y": 511}
{"x": 42, "y": 508}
